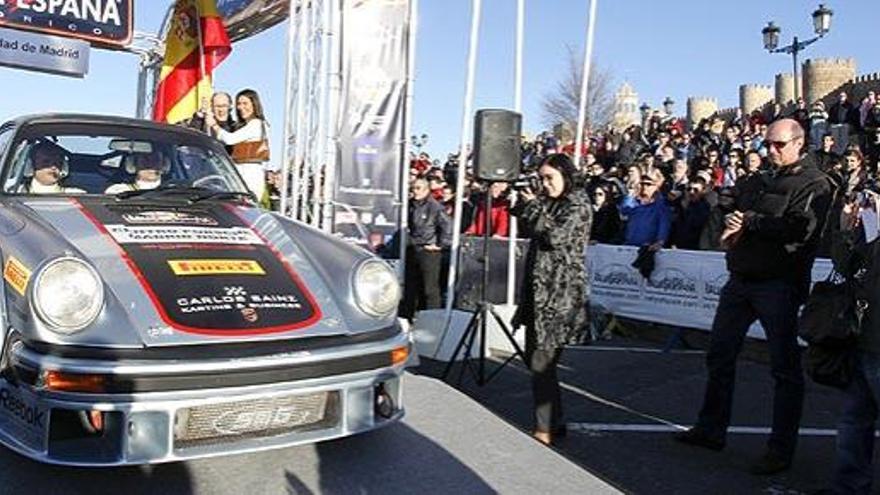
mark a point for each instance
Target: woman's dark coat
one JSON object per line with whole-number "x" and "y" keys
{"x": 555, "y": 289}
{"x": 606, "y": 227}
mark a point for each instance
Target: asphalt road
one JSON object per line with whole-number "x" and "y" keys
{"x": 447, "y": 444}
{"x": 619, "y": 398}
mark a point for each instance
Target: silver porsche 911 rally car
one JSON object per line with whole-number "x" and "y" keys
{"x": 152, "y": 313}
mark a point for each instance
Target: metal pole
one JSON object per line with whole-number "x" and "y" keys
{"x": 143, "y": 68}
{"x": 462, "y": 162}
{"x": 334, "y": 83}
{"x": 794, "y": 56}
{"x": 202, "y": 70}
{"x": 517, "y": 107}
{"x": 316, "y": 107}
{"x": 299, "y": 140}
{"x": 403, "y": 221}
{"x": 288, "y": 112}
{"x": 582, "y": 111}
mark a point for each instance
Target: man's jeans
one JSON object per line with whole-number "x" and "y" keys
{"x": 775, "y": 304}
{"x": 855, "y": 431}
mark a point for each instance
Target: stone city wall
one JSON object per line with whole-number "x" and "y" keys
{"x": 754, "y": 97}
{"x": 699, "y": 108}
{"x": 825, "y": 75}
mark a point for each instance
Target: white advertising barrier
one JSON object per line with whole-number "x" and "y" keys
{"x": 683, "y": 289}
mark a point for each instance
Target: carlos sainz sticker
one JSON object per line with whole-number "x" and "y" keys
{"x": 206, "y": 270}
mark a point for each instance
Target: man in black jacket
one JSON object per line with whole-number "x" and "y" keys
{"x": 429, "y": 232}
{"x": 843, "y": 119}
{"x": 771, "y": 244}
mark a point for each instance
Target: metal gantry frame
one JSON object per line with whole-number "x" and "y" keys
{"x": 150, "y": 50}
{"x": 311, "y": 130}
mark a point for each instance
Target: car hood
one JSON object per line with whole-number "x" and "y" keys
{"x": 178, "y": 273}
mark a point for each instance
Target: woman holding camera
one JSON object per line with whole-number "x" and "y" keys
{"x": 555, "y": 289}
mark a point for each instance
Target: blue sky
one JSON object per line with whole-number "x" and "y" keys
{"x": 676, "y": 48}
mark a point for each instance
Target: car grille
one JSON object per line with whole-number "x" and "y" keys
{"x": 225, "y": 422}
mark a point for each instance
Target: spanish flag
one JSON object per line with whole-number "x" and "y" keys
{"x": 196, "y": 43}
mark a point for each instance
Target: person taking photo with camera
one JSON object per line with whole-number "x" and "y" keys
{"x": 555, "y": 289}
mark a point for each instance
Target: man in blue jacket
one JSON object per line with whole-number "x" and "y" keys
{"x": 648, "y": 218}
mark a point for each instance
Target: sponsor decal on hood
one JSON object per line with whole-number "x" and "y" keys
{"x": 16, "y": 274}
{"x": 206, "y": 270}
{"x": 164, "y": 217}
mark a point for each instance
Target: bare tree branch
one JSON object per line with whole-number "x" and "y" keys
{"x": 561, "y": 104}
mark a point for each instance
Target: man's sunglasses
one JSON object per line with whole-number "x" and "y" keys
{"x": 780, "y": 144}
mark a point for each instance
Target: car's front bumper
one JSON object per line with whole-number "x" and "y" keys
{"x": 160, "y": 411}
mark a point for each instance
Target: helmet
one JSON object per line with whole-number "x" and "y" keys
{"x": 132, "y": 164}
{"x": 47, "y": 147}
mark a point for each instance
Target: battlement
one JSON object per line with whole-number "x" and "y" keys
{"x": 702, "y": 99}
{"x": 839, "y": 63}
{"x": 875, "y": 76}
{"x": 756, "y": 87}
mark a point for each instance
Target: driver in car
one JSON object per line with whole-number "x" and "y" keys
{"x": 147, "y": 169}
{"x": 48, "y": 168}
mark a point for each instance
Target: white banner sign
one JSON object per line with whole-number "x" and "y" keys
{"x": 683, "y": 289}
{"x": 65, "y": 56}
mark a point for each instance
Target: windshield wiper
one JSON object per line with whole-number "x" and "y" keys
{"x": 221, "y": 195}
{"x": 164, "y": 190}
{"x": 192, "y": 194}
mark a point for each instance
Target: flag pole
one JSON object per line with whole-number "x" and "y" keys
{"x": 202, "y": 70}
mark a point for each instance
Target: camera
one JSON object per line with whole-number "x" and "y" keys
{"x": 529, "y": 181}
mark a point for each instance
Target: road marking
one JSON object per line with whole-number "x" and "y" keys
{"x": 602, "y": 400}
{"x": 656, "y": 428}
{"x": 646, "y": 350}
{"x": 660, "y": 425}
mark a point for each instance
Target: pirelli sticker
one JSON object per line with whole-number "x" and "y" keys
{"x": 16, "y": 274}
{"x": 215, "y": 267}
{"x": 152, "y": 234}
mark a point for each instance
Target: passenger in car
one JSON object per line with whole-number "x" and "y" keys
{"x": 147, "y": 170}
{"x": 47, "y": 168}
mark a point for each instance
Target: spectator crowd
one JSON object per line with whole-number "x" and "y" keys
{"x": 662, "y": 186}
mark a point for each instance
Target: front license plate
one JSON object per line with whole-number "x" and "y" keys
{"x": 227, "y": 421}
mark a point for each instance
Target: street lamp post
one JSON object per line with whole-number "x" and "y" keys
{"x": 821, "y": 26}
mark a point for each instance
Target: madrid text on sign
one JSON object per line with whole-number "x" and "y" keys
{"x": 43, "y": 53}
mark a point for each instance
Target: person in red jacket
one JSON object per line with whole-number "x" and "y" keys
{"x": 499, "y": 219}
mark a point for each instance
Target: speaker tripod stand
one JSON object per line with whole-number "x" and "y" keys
{"x": 480, "y": 319}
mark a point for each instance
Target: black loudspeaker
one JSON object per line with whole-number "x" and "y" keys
{"x": 497, "y": 136}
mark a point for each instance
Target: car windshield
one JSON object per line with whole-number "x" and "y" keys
{"x": 116, "y": 160}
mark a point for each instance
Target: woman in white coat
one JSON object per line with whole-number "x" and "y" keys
{"x": 250, "y": 142}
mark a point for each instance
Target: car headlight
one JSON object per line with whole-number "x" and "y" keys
{"x": 376, "y": 289}
{"x": 68, "y": 294}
